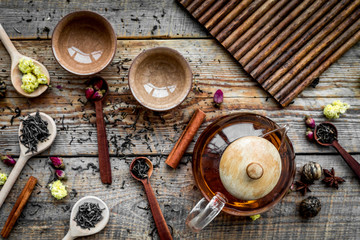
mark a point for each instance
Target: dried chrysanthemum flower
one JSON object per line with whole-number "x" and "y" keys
{"x": 58, "y": 190}
{"x": 333, "y": 111}
{"x": 3, "y": 178}
{"x": 255, "y": 217}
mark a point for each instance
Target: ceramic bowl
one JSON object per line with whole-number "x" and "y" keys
{"x": 160, "y": 78}
{"x": 84, "y": 43}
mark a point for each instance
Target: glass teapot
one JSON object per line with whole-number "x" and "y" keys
{"x": 219, "y": 145}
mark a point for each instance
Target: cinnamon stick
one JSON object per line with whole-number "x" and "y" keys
{"x": 19, "y": 206}
{"x": 186, "y": 137}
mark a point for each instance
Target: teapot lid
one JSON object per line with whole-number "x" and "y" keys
{"x": 250, "y": 168}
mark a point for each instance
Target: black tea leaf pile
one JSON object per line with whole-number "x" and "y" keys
{"x": 326, "y": 133}
{"x": 89, "y": 215}
{"x": 34, "y": 130}
{"x": 140, "y": 168}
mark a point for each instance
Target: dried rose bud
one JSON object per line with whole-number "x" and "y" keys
{"x": 310, "y": 134}
{"x": 8, "y": 160}
{"x": 98, "y": 95}
{"x": 89, "y": 91}
{"x": 60, "y": 174}
{"x": 309, "y": 121}
{"x": 218, "y": 97}
{"x": 57, "y": 162}
{"x": 98, "y": 84}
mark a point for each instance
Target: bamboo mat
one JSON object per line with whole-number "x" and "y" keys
{"x": 283, "y": 44}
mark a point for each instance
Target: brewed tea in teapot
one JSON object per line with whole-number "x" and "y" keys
{"x": 243, "y": 164}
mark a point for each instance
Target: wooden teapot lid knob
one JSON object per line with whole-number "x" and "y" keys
{"x": 254, "y": 170}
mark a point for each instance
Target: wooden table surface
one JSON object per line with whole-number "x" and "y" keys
{"x": 134, "y": 131}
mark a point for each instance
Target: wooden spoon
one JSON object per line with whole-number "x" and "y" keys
{"x": 103, "y": 147}
{"x": 76, "y": 231}
{"x": 24, "y": 157}
{"x": 353, "y": 164}
{"x": 159, "y": 219}
{"x": 16, "y": 74}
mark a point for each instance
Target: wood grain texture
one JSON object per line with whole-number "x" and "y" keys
{"x": 129, "y": 18}
{"x": 351, "y": 162}
{"x": 103, "y": 146}
{"x": 130, "y": 217}
{"x": 157, "y": 133}
{"x": 161, "y": 225}
{"x": 287, "y": 22}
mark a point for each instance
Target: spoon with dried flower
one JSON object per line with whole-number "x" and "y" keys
{"x": 88, "y": 216}
{"x": 141, "y": 169}
{"x": 36, "y": 134}
{"x": 326, "y": 135}
{"x": 39, "y": 73}
{"x": 95, "y": 92}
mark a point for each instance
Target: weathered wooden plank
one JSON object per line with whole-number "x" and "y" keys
{"x": 140, "y": 18}
{"x": 130, "y": 217}
{"x": 212, "y": 70}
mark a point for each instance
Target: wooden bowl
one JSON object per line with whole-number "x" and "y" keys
{"x": 84, "y": 43}
{"x": 160, "y": 78}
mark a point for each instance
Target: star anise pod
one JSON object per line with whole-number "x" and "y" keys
{"x": 331, "y": 180}
{"x": 302, "y": 187}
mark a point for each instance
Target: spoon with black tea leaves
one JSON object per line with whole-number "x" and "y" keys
{"x": 75, "y": 230}
{"x": 25, "y": 155}
{"x": 323, "y": 140}
{"x": 15, "y": 72}
{"x": 103, "y": 147}
{"x": 159, "y": 219}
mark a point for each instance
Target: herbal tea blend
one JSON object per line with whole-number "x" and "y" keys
{"x": 34, "y": 130}
{"x": 140, "y": 168}
{"x": 89, "y": 215}
{"x": 326, "y": 133}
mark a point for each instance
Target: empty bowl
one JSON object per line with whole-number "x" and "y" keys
{"x": 160, "y": 78}
{"x": 84, "y": 43}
